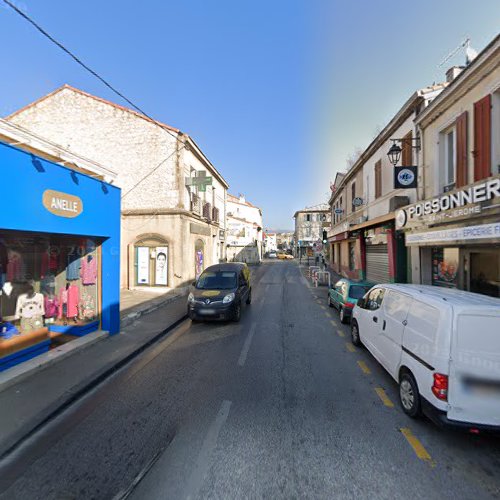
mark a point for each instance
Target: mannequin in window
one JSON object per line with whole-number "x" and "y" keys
{"x": 30, "y": 309}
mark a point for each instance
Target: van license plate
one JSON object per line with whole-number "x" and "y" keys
{"x": 206, "y": 311}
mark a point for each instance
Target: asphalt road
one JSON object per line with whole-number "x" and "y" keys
{"x": 277, "y": 406}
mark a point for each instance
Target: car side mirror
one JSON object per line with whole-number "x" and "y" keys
{"x": 193, "y": 283}
{"x": 361, "y": 303}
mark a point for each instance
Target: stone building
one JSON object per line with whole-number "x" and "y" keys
{"x": 309, "y": 226}
{"x": 173, "y": 223}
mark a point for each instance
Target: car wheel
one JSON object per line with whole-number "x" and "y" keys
{"x": 355, "y": 338}
{"x": 237, "y": 313}
{"x": 249, "y": 298}
{"x": 409, "y": 396}
{"x": 343, "y": 315}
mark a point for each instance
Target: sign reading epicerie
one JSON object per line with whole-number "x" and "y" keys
{"x": 483, "y": 231}
{"x": 62, "y": 204}
{"x": 453, "y": 205}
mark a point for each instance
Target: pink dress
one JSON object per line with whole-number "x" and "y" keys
{"x": 70, "y": 297}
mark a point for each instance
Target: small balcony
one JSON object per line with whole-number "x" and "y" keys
{"x": 196, "y": 204}
{"x": 215, "y": 214}
{"x": 207, "y": 211}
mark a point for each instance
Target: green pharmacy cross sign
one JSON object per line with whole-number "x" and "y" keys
{"x": 201, "y": 181}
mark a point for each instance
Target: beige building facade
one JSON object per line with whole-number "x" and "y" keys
{"x": 453, "y": 233}
{"x": 244, "y": 230}
{"x": 171, "y": 228}
{"x": 363, "y": 241}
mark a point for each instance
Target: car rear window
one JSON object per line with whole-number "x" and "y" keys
{"x": 357, "y": 291}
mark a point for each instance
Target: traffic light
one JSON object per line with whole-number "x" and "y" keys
{"x": 325, "y": 238}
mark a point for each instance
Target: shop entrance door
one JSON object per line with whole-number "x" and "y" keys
{"x": 485, "y": 272}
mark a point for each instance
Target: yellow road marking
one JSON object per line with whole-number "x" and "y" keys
{"x": 364, "y": 367}
{"x": 384, "y": 397}
{"x": 350, "y": 347}
{"x": 417, "y": 446}
{"x": 328, "y": 314}
{"x": 333, "y": 323}
{"x": 323, "y": 307}
{"x": 340, "y": 333}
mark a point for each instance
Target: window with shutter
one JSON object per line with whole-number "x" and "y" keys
{"x": 482, "y": 138}
{"x": 461, "y": 151}
{"x": 378, "y": 179}
{"x": 406, "y": 153}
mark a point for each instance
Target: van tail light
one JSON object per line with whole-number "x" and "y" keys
{"x": 440, "y": 386}
{"x": 349, "y": 305}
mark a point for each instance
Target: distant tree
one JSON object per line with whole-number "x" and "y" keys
{"x": 353, "y": 157}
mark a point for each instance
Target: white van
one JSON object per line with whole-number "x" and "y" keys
{"x": 443, "y": 348}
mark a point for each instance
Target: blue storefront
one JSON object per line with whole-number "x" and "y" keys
{"x": 59, "y": 256}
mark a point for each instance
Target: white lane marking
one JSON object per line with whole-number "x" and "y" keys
{"x": 203, "y": 462}
{"x": 246, "y": 345}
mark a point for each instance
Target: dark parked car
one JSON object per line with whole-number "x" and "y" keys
{"x": 220, "y": 292}
{"x": 345, "y": 294}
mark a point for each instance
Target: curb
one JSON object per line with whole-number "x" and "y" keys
{"x": 128, "y": 319}
{"x": 18, "y": 373}
{"x": 65, "y": 401}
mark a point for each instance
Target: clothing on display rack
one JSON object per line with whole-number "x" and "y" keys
{"x": 48, "y": 284}
{"x": 14, "y": 267}
{"x": 4, "y": 259}
{"x": 89, "y": 270}
{"x": 51, "y": 306}
{"x": 68, "y": 299}
{"x": 10, "y": 294}
{"x": 87, "y": 305}
{"x": 73, "y": 267}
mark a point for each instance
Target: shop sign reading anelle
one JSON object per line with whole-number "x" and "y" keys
{"x": 449, "y": 206}
{"x": 62, "y": 204}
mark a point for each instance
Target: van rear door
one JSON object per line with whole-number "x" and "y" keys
{"x": 474, "y": 382}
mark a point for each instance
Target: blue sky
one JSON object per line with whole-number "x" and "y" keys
{"x": 277, "y": 92}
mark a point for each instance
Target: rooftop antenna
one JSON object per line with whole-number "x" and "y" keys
{"x": 470, "y": 53}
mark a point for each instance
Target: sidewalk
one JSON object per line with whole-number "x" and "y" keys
{"x": 32, "y": 399}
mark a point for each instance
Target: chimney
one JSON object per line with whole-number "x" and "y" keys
{"x": 242, "y": 198}
{"x": 453, "y": 72}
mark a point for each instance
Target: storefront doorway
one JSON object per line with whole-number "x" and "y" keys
{"x": 151, "y": 263}
{"x": 199, "y": 258}
{"x": 484, "y": 273}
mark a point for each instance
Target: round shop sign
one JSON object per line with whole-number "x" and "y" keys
{"x": 357, "y": 202}
{"x": 401, "y": 218}
{"x": 406, "y": 177}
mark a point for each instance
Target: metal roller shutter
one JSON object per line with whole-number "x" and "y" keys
{"x": 377, "y": 263}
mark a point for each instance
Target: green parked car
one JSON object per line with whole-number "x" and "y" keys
{"x": 345, "y": 294}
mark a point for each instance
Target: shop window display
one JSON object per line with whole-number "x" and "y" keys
{"x": 445, "y": 267}
{"x": 48, "y": 284}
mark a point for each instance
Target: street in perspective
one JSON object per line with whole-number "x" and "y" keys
{"x": 298, "y": 298}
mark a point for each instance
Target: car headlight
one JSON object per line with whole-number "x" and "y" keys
{"x": 228, "y": 298}
{"x": 190, "y": 297}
